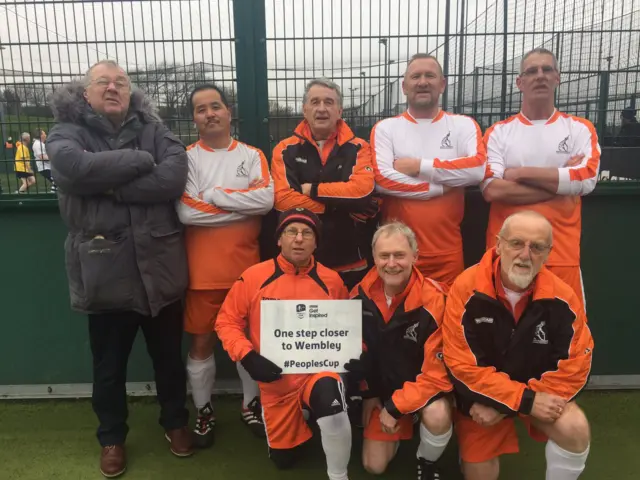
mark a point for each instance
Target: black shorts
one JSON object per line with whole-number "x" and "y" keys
{"x": 46, "y": 174}
{"x": 24, "y": 174}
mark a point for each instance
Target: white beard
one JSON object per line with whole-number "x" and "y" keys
{"x": 521, "y": 280}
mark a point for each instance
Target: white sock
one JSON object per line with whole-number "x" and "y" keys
{"x": 431, "y": 446}
{"x": 335, "y": 431}
{"x": 202, "y": 376}
{"x": 250, "y": 389}
{"x": 563, "y": 465}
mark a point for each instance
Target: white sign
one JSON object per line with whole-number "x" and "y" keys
{"x": 310, "y": 336}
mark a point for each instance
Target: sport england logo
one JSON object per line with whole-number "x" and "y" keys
{"x": 446, "y": 141}
{"x": 242, "y": 171}
{"x": 301, "y": 310}
{"x": 563, "y": 146}
{"x": 540, "y": 336}
{"x": 411, "y": 333}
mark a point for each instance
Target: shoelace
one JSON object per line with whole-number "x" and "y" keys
{"x": 436, "y": 475}
{"x": 204, "y": 423}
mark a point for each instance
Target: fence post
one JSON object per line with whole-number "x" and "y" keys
{"x": 503, "y": 90}
{"x": 603, "y": 100}
{"x": 249, "y": 21}
{"x": 474, "y": 98}
{"x": 459, "y": 106}
{"x": 445, "y": 67}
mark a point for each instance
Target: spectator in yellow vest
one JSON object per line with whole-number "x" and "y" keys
{"x": 24, "y": 172}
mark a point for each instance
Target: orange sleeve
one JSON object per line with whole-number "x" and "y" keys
{"x": 433, "y": 382}
{"x": 337, "y": 289}
{"x": 359, "y": 186}
{"x": 287, "y": 187}
{"x": 573, "y": 350}
{"x": 472, "y": 381}
{"x": 468, "y": 169}
{"x": 232, "y": 321}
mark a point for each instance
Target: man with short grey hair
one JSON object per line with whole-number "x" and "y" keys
{"x": 402, "y": 364}
{"x": 325, "y": 168}
{"x": 544, "y": 160}
{"x": 423, "y": 160}
{"x": 119, "y": 171}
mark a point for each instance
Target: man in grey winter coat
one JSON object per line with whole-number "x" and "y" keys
{"x": 119, "y": 171}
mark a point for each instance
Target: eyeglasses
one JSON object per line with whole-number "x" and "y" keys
{"x": 293, "y": 232}
{"x": 119, "y": 84}
{"x": 546, "y": 70}
{"x": 536, "y": 248}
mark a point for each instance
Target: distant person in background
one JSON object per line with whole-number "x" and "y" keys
{"x": 228, "y": 190}
{"x": 24, "y": 172}
{"x": 629, "y": 134}
{"x": 119, "y": 172}
{"x": 43, "y": 165}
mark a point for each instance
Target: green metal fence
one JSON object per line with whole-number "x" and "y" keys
{"x": 262, "y": 52}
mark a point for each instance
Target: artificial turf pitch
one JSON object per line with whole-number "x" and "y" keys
{"x": 55, "y": 440}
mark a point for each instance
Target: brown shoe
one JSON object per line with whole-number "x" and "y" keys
{"x": 113, "y": 461}
{"x": 181, "y": 441}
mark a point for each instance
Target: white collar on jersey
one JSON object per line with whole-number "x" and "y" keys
{"x": 426, "y": 120}
{"x": 537, "y": 122}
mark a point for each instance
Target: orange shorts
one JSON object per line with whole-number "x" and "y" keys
{"x": 283, "y": 419}
{"x": 373, "y": 430}
{"x": 201, "y": 310}
{"x": 444, "y": 269}
{"x": 480, "y": 444}
{"x": 573, "y": 277}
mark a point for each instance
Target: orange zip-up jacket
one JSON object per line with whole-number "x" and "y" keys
{"x": 500, "y": 362}
{"x": 405, "y": 341}
{"x": 238, "y": 323}
{"x": 342, "y": 182}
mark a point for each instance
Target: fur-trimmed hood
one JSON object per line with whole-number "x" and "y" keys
{"x": 69, "y": 105}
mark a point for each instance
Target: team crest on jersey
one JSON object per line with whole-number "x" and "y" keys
{"x": 241, "y": 170}
{"x": 446, "y": 141}
{"x": 563, "y": 146}
{"x": 412, "y": 333}
{"x": 540, "y": 336}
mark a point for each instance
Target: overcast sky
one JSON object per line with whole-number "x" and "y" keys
{"x": 304, "y": 37}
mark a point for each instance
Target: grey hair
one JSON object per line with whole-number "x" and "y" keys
{"x": 323, "y": 82}
{"x": 24, "y": 135}
{"x": 396, "y": 227}
{"x": 86, "y": 81}
{"x": 424, "y": 56}
{"x": 525, "y": 213}
{"x": 541, "y": 51}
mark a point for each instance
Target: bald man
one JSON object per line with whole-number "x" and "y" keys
{"x": 517, "y": 344}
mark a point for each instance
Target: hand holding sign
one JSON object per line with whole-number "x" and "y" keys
{"x": 310, "y": 336}
{"x": 259, "y": 368}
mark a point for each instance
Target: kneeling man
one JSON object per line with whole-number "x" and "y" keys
{"x": 293, "y": 275}
{"x": 402, "y": 363}
{"x": 516, "y": 344}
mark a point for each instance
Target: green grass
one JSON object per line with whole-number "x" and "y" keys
{"x": 16, "y": 124}
{"x": 55, "y": 440}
